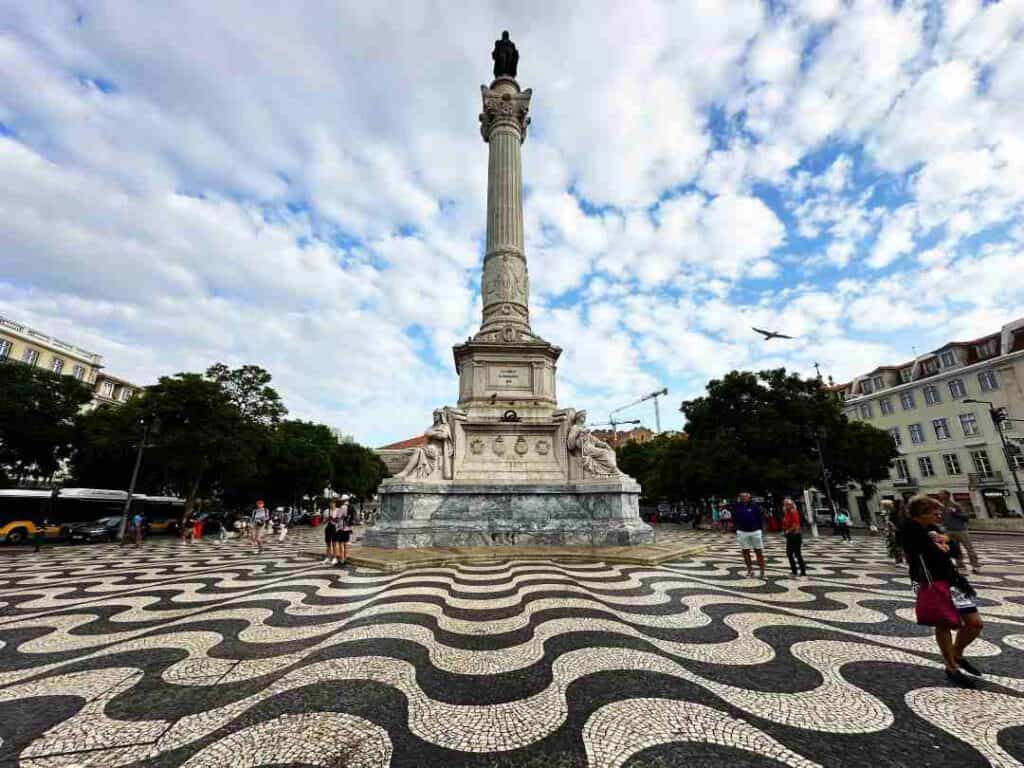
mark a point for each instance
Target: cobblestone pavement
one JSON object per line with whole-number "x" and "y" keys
{"x": 209, "y": 655}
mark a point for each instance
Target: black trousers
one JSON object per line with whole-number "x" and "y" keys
{"x": 794, "y": 541}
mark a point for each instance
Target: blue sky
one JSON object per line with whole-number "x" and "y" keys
{"x": 192, "y": 182}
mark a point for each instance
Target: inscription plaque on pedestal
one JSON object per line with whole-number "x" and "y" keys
{"x": 509, "y": 377}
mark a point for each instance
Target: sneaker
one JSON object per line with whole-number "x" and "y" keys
{"x": 967, "y": 667}
{"x": 750, "y": 574}
{"x": 793, "y": 572}
{"x": 959, "y": 678}
{"x": 325, "y": 561}
{"x": 334, "y": 561}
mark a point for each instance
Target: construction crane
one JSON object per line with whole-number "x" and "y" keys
{"x": 653, "y": 396}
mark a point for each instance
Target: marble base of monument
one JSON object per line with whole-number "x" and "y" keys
{"x": 592, "y": 513}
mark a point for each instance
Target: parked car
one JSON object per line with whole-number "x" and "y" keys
{"x": 823, "y": 516}
{"x": 103, "y": 529}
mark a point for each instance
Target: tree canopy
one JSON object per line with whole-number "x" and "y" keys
{"x": 37, "y": 419}
{"x": 759, "y": 432}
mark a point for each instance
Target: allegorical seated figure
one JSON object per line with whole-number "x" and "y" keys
{"x": 438, "y": 451}
{"x": 597, "y": 457}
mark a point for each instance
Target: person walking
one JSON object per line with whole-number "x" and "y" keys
{"x": 284, "y": 520}
{"x": 725, "y": 517}
{"x": 749, "y": 522}
{"x": 955, "y": 520}
{"x": 259, "y": 519}
{"x": 330, "y": 529}
{"x": 936, "y": 579}
{"x": 842, "y": 519}
{"x": 794, "y": 538}
{"x": 138, "y": 527}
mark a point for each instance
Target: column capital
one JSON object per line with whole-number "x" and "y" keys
{"x": 504, "y": 104}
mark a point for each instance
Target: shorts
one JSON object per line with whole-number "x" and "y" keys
{"x": 750, "y": 539}
{"x": 329, "y": 533}
{"x": 343, "y": 536}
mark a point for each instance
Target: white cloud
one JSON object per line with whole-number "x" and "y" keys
{"x": 306, "y": 191}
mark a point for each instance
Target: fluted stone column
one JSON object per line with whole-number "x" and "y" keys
{"x": 505, "y": 286}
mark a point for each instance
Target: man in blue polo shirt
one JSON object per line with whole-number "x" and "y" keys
{"x": 747, "y": 517}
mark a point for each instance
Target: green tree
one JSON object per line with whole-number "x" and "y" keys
{"x": 37, "y": 413}
{"x": 249, "y": 389}
{"x": 204, "y": 436}
{"x": 762, "y": 431}
{"x": 299, "y": 462}
{"x": 105, "y": 443}
{"x": 357, "y": 470}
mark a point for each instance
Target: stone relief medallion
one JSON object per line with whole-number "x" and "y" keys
{"x": 521, "y": 446}
{"x": 508, "y": 333}
{"x": 499, "y": 445}
{"x": 543, "y": 447}
{"x": 506, "y": 309}
{"x": 477, "y": 446}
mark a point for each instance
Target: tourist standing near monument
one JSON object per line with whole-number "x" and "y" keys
{"x": 330, "y": 528}
{"x": 749, "y": 522}
{"x": 343, "y": 532}
{"x": 956, "y": 521}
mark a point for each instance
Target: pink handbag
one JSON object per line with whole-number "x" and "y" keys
{"x": 934, "y": 607}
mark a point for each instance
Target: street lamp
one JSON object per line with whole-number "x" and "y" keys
{"x": 151, "y": 426}
{"x": 998, "y": 417}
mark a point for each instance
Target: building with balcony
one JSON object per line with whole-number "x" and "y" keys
{"x": 28, "y": 346}
{"x": 22, "y": 344}
{"x": 946, "y": 442}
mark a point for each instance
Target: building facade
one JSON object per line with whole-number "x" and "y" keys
{"x": 619, "y": 438}
{"x": 21, "y": 344}
{"x": 937, "y": 409}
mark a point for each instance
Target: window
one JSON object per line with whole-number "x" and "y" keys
{"x": 866, "y": 388}
{"x": 941, "y": 427}
{"x": 78, "y": 372}
{"x": 981, "y": 463}
{"x": 957, "y": 389}
{"x": 1017, "y": 461}
{"x": 878, "y": 382}
{"x": 924, "y": 463}
{"x": 907, "y": 401}
{"x": 865, "y": 411}
{"x": 901, "y": 469}
{"x": 969, "y": 424}
{"x": 987, "y": 381}
{"x": 931, "y": 395}
{"x": 952, "y": 463}
{"x": 30, "y": 356}
{"x": 5, "y": 349}
{"x": 897, "y": 439}
{"x": 948, "y": 359}
{"x": 124, "y": 394}
{"x": 56, "y": 365}
{"x": 885, "y": 406}
{"x": 107, "y": 389}
{"x": 905, "y": 374}
{"x": 916, "y": 434}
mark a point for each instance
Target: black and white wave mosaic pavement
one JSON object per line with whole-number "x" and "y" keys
{"x": 208, "y": 655}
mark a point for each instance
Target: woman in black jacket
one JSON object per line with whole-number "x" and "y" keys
{"x": 927, "y": 547}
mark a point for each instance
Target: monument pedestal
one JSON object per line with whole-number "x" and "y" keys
{"x": 424, "y": 514}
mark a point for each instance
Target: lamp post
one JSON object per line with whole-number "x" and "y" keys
{"x": 997, "y": 419}
{"x": 150, "y": 426}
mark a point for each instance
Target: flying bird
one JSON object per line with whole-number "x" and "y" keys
{"x": 769, "y": 335}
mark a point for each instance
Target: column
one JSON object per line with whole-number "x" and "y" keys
{"x": 504, "y": 285}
